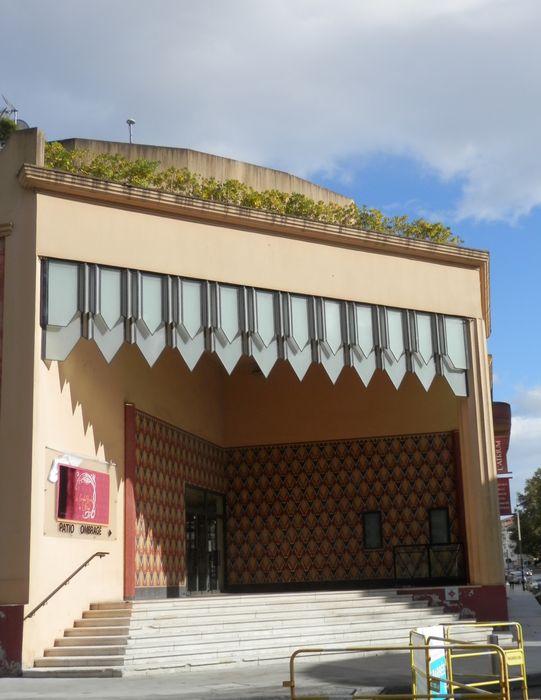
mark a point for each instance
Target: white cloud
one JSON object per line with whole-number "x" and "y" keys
{"x": 299, "y": 84}
{"x": 524, "y": 455}
{"x": 527, "y": 403}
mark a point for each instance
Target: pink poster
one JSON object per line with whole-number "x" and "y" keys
{"x": 83, "y": 495}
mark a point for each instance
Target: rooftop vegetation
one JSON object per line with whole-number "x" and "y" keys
{"x": 147, "y": 173}
{"x": 7, "y": 127}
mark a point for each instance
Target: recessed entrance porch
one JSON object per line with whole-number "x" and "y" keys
{"x": 305, "y": 513}
{"x": 328, "y": 426}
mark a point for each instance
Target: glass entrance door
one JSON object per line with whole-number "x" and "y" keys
{"x": 204, "y": 540}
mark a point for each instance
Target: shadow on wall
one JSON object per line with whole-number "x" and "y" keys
{"x": 97, "y": 392}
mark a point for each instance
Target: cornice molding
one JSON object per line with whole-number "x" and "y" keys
{"x": 93, "y": 189}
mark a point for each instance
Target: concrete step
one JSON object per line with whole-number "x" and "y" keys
{"x": 102, "y": 622}
{"x": 264, "y": 655}
{"x": 73, "y": 672}
{"x": 103, "y": 660}
{"x": 112, "y": 605}
{"x": 263, "y": 642}
{"x": 124, "y": 613}
{"x": 70, "y": 641}
{"x": 266, "y": 599}
{"x": 115, "y": 638}
{"x": 169, "y": 626}
{"x": 157, "y": 637}
{"x": 260, "y": 598}
{"x": 236, "y": 625}
{"x": 99, "y": 650}
{"x": 264, "y": 612}
{"x": 94, "y": 630}
{"x": 198, "y": 607}
{"x": 264, "y": 615}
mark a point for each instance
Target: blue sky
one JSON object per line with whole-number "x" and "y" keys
{"x": 412, "y": 106}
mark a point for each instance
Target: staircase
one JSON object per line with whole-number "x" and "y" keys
{"x": 118, "y": 639}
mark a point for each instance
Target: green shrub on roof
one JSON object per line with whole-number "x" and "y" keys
{"x": 7, "y": 127}
{"x": 146, "y": 173}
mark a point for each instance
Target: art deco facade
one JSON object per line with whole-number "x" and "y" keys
{"x": 224, "y": 399}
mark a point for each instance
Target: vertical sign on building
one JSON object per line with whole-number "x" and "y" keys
{"x": 504, "y": 497}
{"x": 501, "y": 416}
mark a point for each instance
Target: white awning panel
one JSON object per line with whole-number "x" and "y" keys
{"x": 114, "y": 306}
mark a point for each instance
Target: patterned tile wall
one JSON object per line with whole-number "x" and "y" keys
{"x": 166, "y": 459}
{"x": 295, "y": 511}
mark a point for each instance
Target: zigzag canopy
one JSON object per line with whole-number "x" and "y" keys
{"x": 113, "y": 306}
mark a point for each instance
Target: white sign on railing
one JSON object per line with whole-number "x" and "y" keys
{"x": 431, "y": 681}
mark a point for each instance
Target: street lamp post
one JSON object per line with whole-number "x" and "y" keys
{"x": 130, "y": 123}
{"x": 517, "y": 513}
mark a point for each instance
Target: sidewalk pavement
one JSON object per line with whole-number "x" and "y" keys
{"x": 524, "y": 608}
{"x": 387, "y": 673}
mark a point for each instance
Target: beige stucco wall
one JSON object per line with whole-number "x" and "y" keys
{"x": 18, "y": 414}
{"x": 81, "y": 407}
{"x": 63, "y": 425}
{"x": 282, "y": 409}
{"x": 96, "y": 233}
{"x": 476, "y": 427}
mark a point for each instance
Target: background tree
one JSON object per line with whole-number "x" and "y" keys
{"x": 529, "y": 504}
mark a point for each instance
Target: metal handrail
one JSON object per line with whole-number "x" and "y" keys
{"x": 64, "y": 583}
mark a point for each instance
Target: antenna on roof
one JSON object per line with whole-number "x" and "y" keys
{"x": 130, "y": 122}
{"x": 11, "y": 112}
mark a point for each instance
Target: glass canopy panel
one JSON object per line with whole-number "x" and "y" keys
{"x": 396, "y": 332}
{"x": 455, "y": 335}
{"x": 424, "y": 336}
{"x": 191, "y": 311}
{"x": 457, "y": 379}
{"x": 110, "y": 340}
{"x": 110, "y": 296}
{"x": 192, "y": 350}
{"x": 264, "y": 306}
{"x": 333, "y": 324}
{"x": 151, "y": 346}
{"x": 62, "y": 292}
{"x": 60, "y": 341}
{"x": 365, "y": 333}
{"x": 298, "y": 343}
{"x": 425, "y": 372}
{"x": 151, "y": 294}
{"x": 228, "y": 298}
{"x": 266, "y": 357}
{"x": 300, "y": 327}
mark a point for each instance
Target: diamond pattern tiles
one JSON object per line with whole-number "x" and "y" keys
{"x": 167, "y": 458}
{"x": 295, "y": 511}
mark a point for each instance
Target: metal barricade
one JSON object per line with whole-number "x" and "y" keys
{"x": 515, "y": 661}
{"x": 422, "y": 678}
